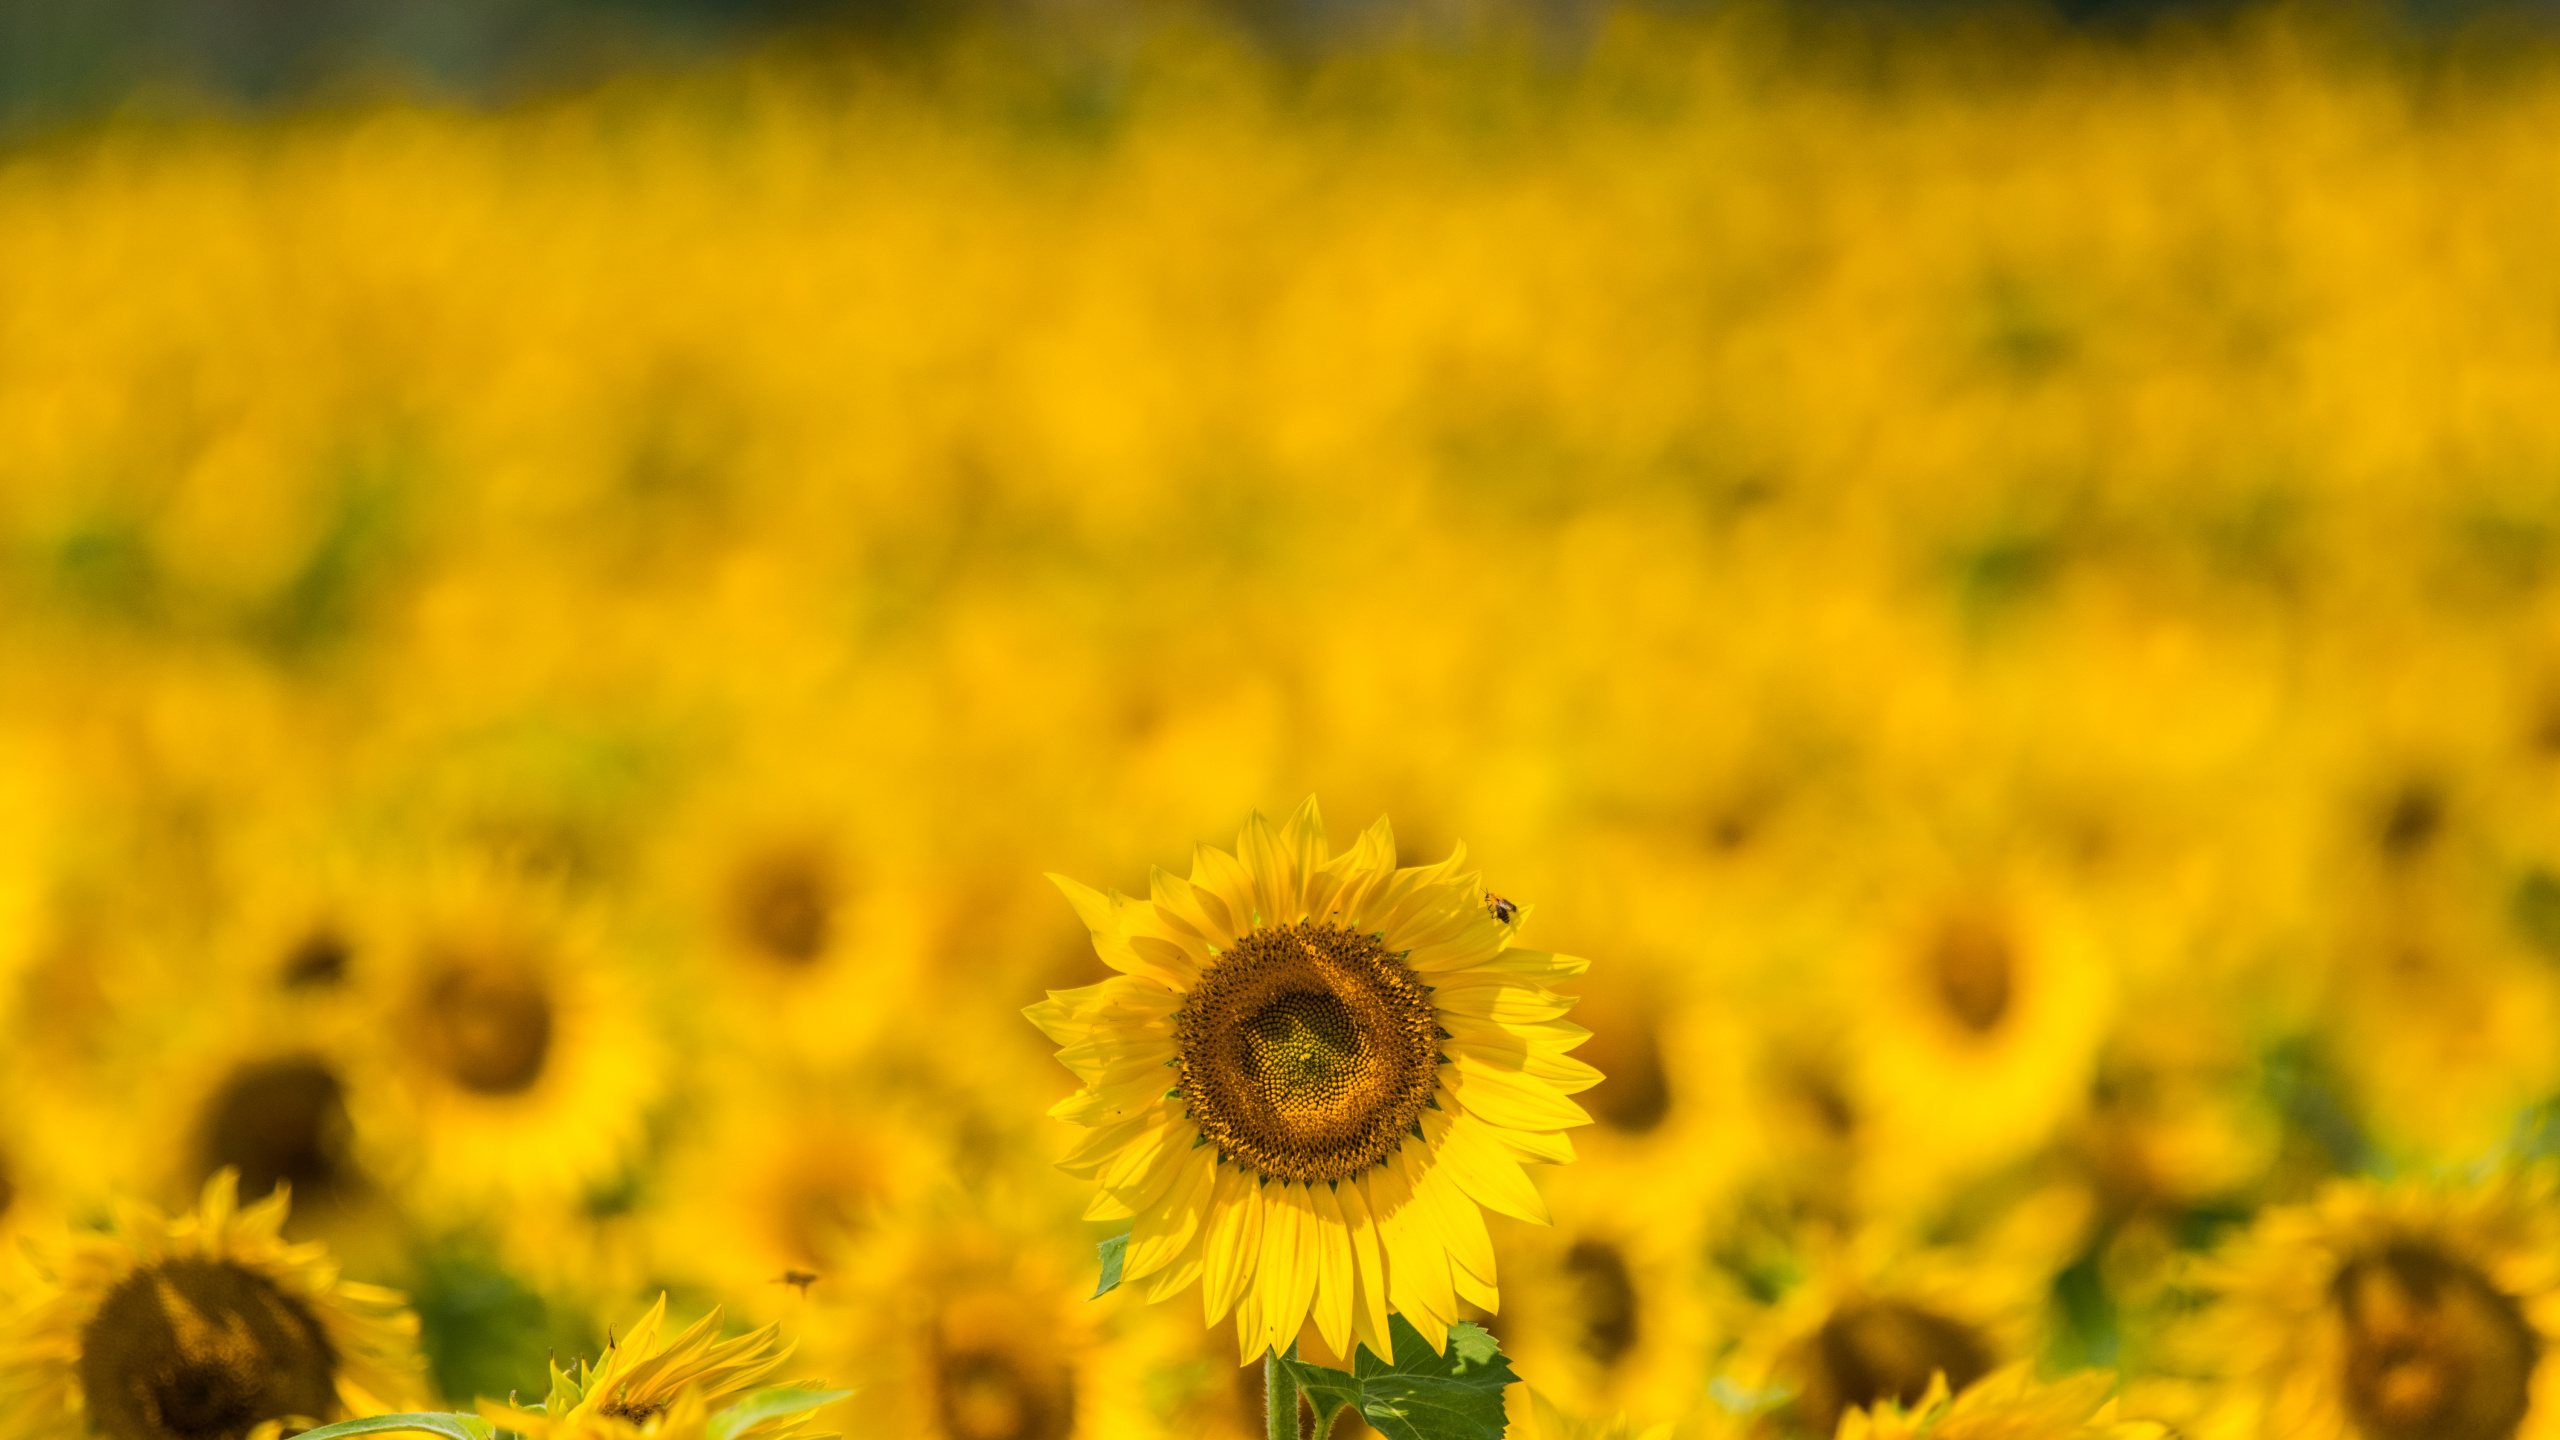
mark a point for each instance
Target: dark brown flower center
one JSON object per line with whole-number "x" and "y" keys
{"x": 2434, "y": 1351}
{"x": 317, "y": 962}
{"x": 280, "y": 1120}
{"x": 987, "y": 1394}
{"x": 488, "y": 1027}
{"x": 1307, "y": 1052}
{"x": 1872, "y": 1351}
{"x": 202, "y": 1350}
{"x": 1974, "y": 971}
{"x": 1608, "y": 1299}
{"x": 784, "y": 907}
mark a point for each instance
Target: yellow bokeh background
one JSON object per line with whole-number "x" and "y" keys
{"x": 1999, "y": 585}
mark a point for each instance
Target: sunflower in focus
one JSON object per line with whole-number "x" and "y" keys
{"x": 205, "y": 1327}
{"x": 643, "y": 1387}
{"x": 2400, "y": 1312}
{"x": 1309, "y": 1075}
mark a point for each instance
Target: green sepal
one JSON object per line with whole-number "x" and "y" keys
{"x": 1422, "y": 1396}
{"x": 453, "y": 1424}
{"x": 1115, "y": 1254}
{"x": 768, "y": 1404}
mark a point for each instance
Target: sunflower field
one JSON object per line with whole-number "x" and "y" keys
{"x": 1994, "y": 594}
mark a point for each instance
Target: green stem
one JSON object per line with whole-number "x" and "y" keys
{"x": 1279, "y": 1399}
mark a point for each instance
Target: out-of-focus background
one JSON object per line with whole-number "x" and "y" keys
{"x": 565, "y": 569}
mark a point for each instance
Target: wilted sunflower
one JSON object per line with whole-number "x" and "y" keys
{"x": 1309, "y": 1074}
{"x": 2400, "y": 1312}
{"x": 642, "y": 1387}
{"x": 200, "y": 1328}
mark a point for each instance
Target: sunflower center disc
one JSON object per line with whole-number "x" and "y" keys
{"x": 2434, "y": 1352}
{"x": 1871, "y": 1351}
{"x": 1974, "y": 971}
{"x": 202, "y": 1350}
{"x": 490, "y": 1028}
{"x": 1307, "y": 1052}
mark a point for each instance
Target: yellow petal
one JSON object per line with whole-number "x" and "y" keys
{"x": 1179, "y": 898}
{"x": 1103, "y": 1146}
{"x": 1503, "y": 1004}
{"x": 1508, "y": 1099}
{"x": 1476, "y": 1162}
{"x": 1275, "y": 873}
{"x": 1456, "y": 1220}
{"x": 1167, "y": 1228}
{"x": 1369, "y": 1271}
{"x": 1223, "y": 881}
{"x": 1288, "y": 1282}
{"x": 1534, "y": 1147}
{"x": 1182, "y": 1273}
{"x": 1235, "y": 1244}
{"x": 1417, "y": 1263}
{"x": 1334, "y": 1267}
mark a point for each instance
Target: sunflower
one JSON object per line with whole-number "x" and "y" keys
{"x": 527, "y": 1065}
{"x": 200, "y": 1328}
{"x": 968, "y": 1325}
{"x": 2007, "y": 1405}
{"x": 787, "y": 1174}
{"x": 2410, "y": 1311}
{"x": 1875, "y": 1321}
{"x": 1975, "y": 1008}
{"x": 1309, "y": 1074}
{"x": 640, "y": 1386}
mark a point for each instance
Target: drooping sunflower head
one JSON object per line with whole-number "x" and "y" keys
{"x": 644, "y": 1384}
{"x": 1309, "y": 1074}
{"x": 203, "y": 1327}
{"x": 2405, "y": 1312}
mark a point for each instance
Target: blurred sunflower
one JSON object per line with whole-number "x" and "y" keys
{"x": 1872, "y": 1323}
{"x": 528, "y": 1066}
{"x": 787, "y": 1175}
{"x": 2410, "y": 1311}
{"x": 1977, "y": 1005}
{"x": 640, "y": 1386}
{"x": 200, "y": 1327}
{"x": 2007, "y": 1405}
{"x": 968, "y": 1329}
{"x": 1360, "y": 1057}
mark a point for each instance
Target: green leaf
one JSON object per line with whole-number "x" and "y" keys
{"x": 1115, "y": 1253}
{"x": 767, "y": 1404}
{"x": 454, "y": 1425}
{"x": 1422, "y": 1396}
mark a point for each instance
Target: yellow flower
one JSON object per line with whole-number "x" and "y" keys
{"x": 2008, "y": 1405}
{"x": 2410, "y": 1311}
{"x": 527, "y": 1064}
{"x": 968, "y": 1326}
{"x": 1875, "y": 1323}
{"x": 642, "y": 1387}
{"x": 200, "y": 1327}
{"x": 1309, "y": 1074}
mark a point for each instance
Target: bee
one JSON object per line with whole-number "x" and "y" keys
{"x": 799, "y": 1280}
{"x": 1503, "y": 911}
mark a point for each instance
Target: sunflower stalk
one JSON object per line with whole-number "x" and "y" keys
{"x": 1279, "y": 1397}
